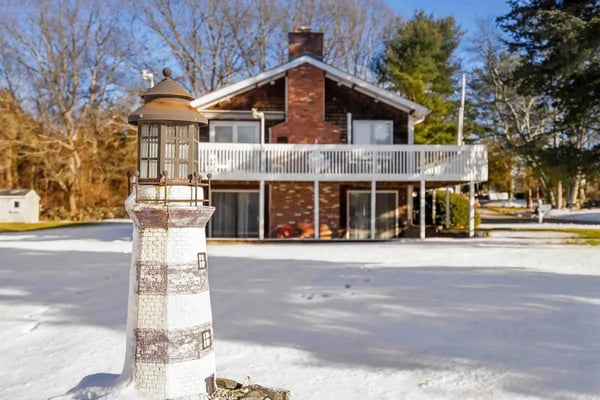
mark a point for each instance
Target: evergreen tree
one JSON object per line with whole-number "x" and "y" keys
{"x": 559, "y": 42}
{"x": 417, "y": 63}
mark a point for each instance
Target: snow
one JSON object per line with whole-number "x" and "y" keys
{"x": 583, "y": 215}
{"x": 512, "y": 316}
{"x": 565, "y": 214}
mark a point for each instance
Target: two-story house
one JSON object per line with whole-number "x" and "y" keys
{"x": 307, "y": 150}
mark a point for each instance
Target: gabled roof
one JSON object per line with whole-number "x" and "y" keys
{"x": 418, "y": 111}
{"x": 15, "y": 192}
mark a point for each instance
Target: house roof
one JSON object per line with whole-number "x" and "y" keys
{"x": 418, "y": 111}
{"x": 15, "y": 192}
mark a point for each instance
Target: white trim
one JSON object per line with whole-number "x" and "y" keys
{"x": 316, "y": 223}
{"x": 373, "y": 211}
{"x": 411, "y": 130}
{"x": 471, "y": 209}
{"x": 447, "y": 208}
{"x": 261, "y": 210}
{"x": 241, "y": 115}
{"x": 422, "y": 195}
{"x": 409, "y": 204}
{"x": 210, "y": 99}
{"x": 349, "y": 128}
{"x": 344, "y": 162}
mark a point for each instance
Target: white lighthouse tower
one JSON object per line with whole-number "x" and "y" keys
{"x": 169, "y": 323}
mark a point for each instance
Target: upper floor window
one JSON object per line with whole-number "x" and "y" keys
{"x": 372, "y": 132}
{"x": 235, "y": 131}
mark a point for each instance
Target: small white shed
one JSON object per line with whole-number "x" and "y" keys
{"x": 19, "y": 205}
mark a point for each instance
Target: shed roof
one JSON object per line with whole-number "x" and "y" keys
{"x": 15, "y": 192}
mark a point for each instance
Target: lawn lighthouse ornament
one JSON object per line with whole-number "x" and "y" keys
{"x": 169, "y": 322}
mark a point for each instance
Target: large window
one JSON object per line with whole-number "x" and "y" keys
{"x": 372, "y": 132}
{"x": 359, "y": 214}
{"x": 234, "y": 132}
{"x": 236, "y": 214}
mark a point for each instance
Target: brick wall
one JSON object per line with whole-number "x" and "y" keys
{"x": 306, "y": 109}
{"x": 293, "y": 203}
{"x": 329, "y": 207}
{"x": 304, "y": 41}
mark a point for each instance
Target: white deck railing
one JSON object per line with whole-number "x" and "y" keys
{"x": 325, "y": 162}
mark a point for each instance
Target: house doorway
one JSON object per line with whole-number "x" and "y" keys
{"x": 236, "y": 214}
{"x": 359, "y": 214}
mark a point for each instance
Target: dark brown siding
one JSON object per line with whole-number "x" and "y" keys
{"x": 340, "y": 100}
{"x": 265, "y": 98}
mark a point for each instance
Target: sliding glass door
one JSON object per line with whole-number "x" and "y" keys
{"x": 236, "y": 214}
{"x": 359, "y": 214}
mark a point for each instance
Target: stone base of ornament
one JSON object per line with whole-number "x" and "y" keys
{"x": 229, "y": 389}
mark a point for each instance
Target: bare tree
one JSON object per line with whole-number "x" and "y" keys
{"x": 521, "y": 124}
{"x": 16, "y": 130}
{"x": 199, "y": 35}
{"x": 69, "y": 53}
{"x": 354, "y": 30}
{"x": 216, "y": 42}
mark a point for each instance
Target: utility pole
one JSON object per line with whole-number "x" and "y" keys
{"x": 461, "y": 112}
{"x": 461, "y": 117}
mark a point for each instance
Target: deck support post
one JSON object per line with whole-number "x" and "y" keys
{"x": 316, "y": 209}
{"x": 433, "y": 207}
{"x": 422, "y": 210}
{"x": 409, "y": 204}
{"x": 448, "y": 207}
{"x": 471, "y": 209}
{"x": 261, "y": 210}
{"x": 373, "y": 208}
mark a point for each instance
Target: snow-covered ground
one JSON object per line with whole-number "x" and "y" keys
{"x": 513, "y": 316}
{"x": 582, "y": 215}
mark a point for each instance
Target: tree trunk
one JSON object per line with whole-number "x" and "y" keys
{"x": 72, "y": 200}
{"x": 574, "y": 198}
{"x": 559, "y": 195}
{"x": 529, "y": 198}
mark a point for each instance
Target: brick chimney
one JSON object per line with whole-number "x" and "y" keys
{"x": 305, "y": 95}
{"x": 302, "y": 41}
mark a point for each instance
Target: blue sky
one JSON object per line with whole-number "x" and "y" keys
{"x": 465, "y": 11}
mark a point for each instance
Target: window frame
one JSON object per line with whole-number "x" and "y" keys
{"x": 237, "y": 191}
{"x": 16, "y": 206}
{"x": 162, "y": 134}
{"x": 206, "y": 337}
{"x": 372, "y": 123}
{"x": 234, "y": 125}
{"x": 382, "y": 191}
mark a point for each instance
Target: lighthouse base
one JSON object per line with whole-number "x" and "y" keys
{"x": 169, "y": 325}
